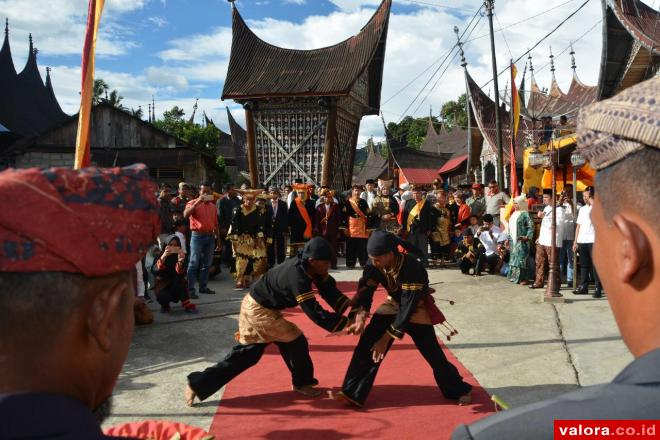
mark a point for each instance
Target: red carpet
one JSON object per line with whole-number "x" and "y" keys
{"x": 405, "y": 402}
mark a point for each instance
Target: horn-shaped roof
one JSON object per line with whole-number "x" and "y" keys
{"x": 631, "y": 45}
{"x": 258, "y": 69}
{"x": 27, "y": 105}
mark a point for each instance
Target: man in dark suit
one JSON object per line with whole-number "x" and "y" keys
{"x": 226, "y": 207}
{"x": 327, "y": 221}
{"x": 279, "y": 223}
{"x": 418, "y": 222}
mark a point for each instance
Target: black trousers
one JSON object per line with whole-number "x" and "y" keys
{"x": 587, "y": 266}
{"x": 486, "y": 260}
{"x": 362, "y": 370}
{"x": 465, "y": 264}
{"x": 241, "y": 357}
{"x": 227, "y": 256}
{"x": 356, "y": 249}
{"x": 276, "y": 250}
{"x": 438, "y": 251}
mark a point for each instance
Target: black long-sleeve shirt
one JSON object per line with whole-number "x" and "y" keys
{"x": 288, "y": 285}
{"x": 407, "y": 283}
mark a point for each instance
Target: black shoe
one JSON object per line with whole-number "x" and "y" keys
{"x": 597, "y": 294}
{"x": 580, "y": 291}
{"x": 207, "y": 291}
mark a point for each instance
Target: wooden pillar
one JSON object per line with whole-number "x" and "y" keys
{"x": 251, "y": 148}
{"x": 330, "y": 145}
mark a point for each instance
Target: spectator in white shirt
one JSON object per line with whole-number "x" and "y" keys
{"x": 490, "y": 236}
{"x": 369, "y": 194}
{"x": 584, "y": 243}
{"x": 544, "y": 242}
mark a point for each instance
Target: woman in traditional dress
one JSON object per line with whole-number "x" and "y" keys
{"x": 440, "y": 241}
{"x": 521, "y": 230}
{"x": 248, "y": 234}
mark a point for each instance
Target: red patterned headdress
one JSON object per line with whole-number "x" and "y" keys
{"x": 93, "y": 221}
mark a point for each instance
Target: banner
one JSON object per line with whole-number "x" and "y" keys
{"x": 82, "y": 157}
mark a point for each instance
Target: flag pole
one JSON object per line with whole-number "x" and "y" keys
{"x": 82, "y": 155}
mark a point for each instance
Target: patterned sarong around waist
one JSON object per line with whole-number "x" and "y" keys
{"x": 249, "y": 246}
{"x": 419, "y": 316}
{"x": 260, "y": 325}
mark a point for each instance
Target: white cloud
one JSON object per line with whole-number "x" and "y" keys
{"x": 295, "y": 2}
{"x": 160, "y": 22}
{"x": 417, "y": 37}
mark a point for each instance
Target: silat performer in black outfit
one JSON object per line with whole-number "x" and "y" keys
{"x": 260, "y": 321}
{"x": 408, "y": 309}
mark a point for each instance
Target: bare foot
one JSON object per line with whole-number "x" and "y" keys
{"x": 190, "y": 396}
{"x": 465, "y": 399}
{"x": 339, "y": 396}
{"x": 307, "y": 390}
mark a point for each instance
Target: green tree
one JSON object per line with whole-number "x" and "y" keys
{"x": 137, "y": 113}
{"x": 206, "y": 137}
{"x": 454, "y": 113}
{"x": 100, "y": 89}
{"x": 411, "y": 131}
{"x": 115, "y": 100}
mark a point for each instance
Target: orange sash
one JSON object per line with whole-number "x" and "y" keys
{"x": 357, "y": 231}
{"x": 305, "y": 215}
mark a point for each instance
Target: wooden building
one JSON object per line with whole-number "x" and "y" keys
{"x": 303, "y": 107}
{"x": 117, "y": 139}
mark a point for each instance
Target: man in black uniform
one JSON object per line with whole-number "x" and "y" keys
{"x": 407, "y": 310}
{"x": 260, "y": 321}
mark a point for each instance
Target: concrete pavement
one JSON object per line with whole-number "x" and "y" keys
{"x": 518, "y": 347}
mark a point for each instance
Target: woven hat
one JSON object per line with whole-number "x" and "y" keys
{"x": 250, "y": 193}
{"x": 610, "y": 130}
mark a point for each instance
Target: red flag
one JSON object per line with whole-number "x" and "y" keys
{"x": 515, "y": 119}
{"x": 82, "y": 157}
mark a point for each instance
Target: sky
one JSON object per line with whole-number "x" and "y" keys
{"x": 178, "y": 50}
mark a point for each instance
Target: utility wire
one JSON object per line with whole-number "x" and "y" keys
{"x": 443, "y": 61}
{"x": 503, "y": 36}
{"x": 523, "y": 20}
{"x": 468, "y": 41}
{"x": 540, "y": 41}
{"x": 444, "y": 71}
{"x": 538, "y": 69}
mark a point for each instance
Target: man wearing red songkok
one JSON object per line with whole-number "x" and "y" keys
{"x": 66, "y": 294}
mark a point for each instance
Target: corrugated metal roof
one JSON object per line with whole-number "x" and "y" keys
{"x": 453, "y": 164}
{"x": 258, "y": 69}
{"x": 419, "y": 176}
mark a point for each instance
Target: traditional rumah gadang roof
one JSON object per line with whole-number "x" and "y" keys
{"x": 631, "y": 45}
{"x": 239, "y": 140}
{"x": 483, "y": 110}
{"x": 27, "y": 105}
{"x": 446, "y": 141}
{"x": 374, "y": 167}
{"x": 260, "y": 70}
{"x": 556, "y": 102}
